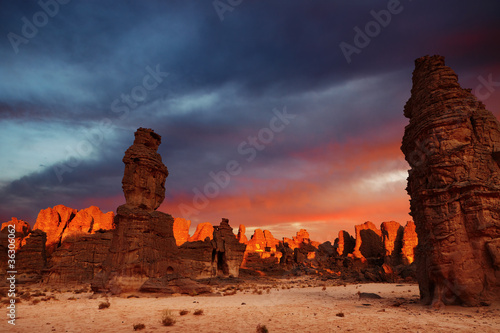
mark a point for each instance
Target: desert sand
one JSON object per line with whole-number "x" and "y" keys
{"x": 298, "y": 305}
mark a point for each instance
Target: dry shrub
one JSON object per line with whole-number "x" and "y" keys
{"x": 167, "y": 318}
{"x": 104, "y": 305}
{"x": 198, "y": 312}
{"x": 183, "y": 312}
{"x": 262, "y": 329}
{"x": 138, "y": 327}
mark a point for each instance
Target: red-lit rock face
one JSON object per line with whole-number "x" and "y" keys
{"x": 53, "y": 221}
{"x": 203, "y": 230}
{"x": 61, "y": 222}
{"x": 22, "y": 229}
{"x": 145, "y": 174}
{"x": 345, "y": 243}
{"x": 242, "y": 238}
{"x": 410, "y": 242}
{"x": 368, "y": 241}
{"x": 392, "y": 233}
{"x": 181, "y": 230}
{"x": 452, "y": 144}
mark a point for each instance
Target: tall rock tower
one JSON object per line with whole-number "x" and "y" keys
{"x": 452, "y": 144}
{"x": 143, "y": 247}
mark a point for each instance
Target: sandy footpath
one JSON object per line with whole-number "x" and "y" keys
{"x": 289, "y": 307}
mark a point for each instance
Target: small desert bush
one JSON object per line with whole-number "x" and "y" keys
{"x": 324, "y": 288}
{"x": 72, "y": 298}
{"x": 35, "y": 301}
{"x": 138, "y": 327}
{"x": 262, "y": 329}
{"x": 167, "y": 319}
{"x": 38, "y": 293}
{"x": 104, "y": 305}
{"x": 340, "y": 314}
{"x": 183, "y": 312}
{"x": 198, "y": 312}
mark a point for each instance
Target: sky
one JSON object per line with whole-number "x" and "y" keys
{"x": 278, "y": 115}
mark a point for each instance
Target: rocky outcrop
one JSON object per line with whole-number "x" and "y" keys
{"x": 53, "y": 221}
{"x": 181, "y": 230}
{"x": 143, "y": 246}
{"x": 368, "y": 242}
{"x": 61, "y": 222}
{"x": 452, "y": 145}
{"x": 31, "y": 259}
{"x": 203, "y": 230}
{"x": 145, "y": 174}
{"x": 344, "y": 243}
{"x": 79, "y": 258}
{"x": 22, "y": 230}
{"x": 88, "y": 221}
{"x": 392, "y": 238}
{"x": 242, "y": 238}
{"x": 228, "y": 251}
{"x": 409, "y": 243}
{"x": 262, "y": 241}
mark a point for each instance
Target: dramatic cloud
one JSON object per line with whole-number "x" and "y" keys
{"x": 78, "y": 78}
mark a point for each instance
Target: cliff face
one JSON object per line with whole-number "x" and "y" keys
{"x": 452, "y": 144}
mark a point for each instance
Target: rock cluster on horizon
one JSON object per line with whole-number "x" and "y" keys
{"x": 452, "y": 144}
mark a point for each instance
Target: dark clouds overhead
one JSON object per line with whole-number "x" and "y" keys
{"x": 63, "y": 96}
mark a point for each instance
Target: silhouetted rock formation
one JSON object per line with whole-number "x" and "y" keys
{"x": 368, "y": 242}
{"x": 453, "y": 147}
{"x": 228, "y": 251}
{"x": 344, "y": 243}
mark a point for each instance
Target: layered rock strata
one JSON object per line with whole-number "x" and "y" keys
{"x": 452, "y": 145}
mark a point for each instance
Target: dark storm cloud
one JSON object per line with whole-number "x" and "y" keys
{"x": 224, "y": 79}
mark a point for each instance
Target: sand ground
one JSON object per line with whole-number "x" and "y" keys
{"x": 288, "y": 306}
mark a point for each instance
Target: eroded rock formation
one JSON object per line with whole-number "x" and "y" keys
{"x": 181, "y": 230}
{"x": 344, "y": 243}
{"x": 409, "y": 243}
{"x": 392, "y": 234}
{"x": 203, "y": 230}
{"x": 228, "y": 251}
{"x": 452, "y": 144}
{"x": 145, "y": 174}
{"x": 22, "y": 230}
{"x": 53, "y": 221}
{"x": 368, "y": 241}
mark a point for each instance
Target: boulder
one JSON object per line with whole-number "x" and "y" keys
{"x": 452, "y": 144}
